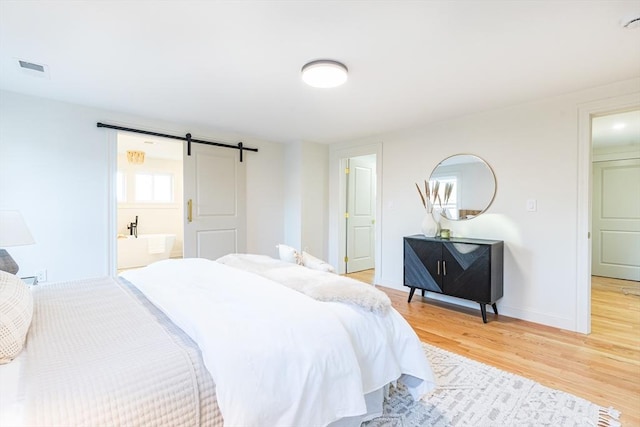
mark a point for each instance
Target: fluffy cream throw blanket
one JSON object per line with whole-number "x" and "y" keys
{"x": 320, "y": 285}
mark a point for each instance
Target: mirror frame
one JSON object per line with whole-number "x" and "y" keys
{"x": 495, "y": 184}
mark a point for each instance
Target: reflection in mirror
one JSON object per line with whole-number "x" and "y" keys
{"x": 470, "y": 185}
{"x": 465, "y": 248}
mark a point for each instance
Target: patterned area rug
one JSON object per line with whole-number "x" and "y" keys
{"x": 470, "y": 393}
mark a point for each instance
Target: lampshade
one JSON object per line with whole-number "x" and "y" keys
{"x": 13, "y": 230}
{"x": 324, "y": 73}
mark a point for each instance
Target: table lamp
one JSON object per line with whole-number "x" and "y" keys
{"x": 13, "y": 232}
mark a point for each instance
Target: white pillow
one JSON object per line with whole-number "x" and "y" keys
{"x": 16, "y": 311}
{"x": 314, "y": 263}
{"x": 289, "y": 254}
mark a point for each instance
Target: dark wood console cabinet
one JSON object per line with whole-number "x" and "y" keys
{"x": 465, "y": 268}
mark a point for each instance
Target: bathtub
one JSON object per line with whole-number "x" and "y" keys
{"x": 144, "y": 250}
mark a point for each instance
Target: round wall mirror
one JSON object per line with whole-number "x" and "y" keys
{"x": 466, "y": 187}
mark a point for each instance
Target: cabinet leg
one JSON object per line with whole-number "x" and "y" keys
{"x": 495, "y": 308}
{"x": 483, "y": 309}
{"x": 411, "y": 294}
{"x": 422, "y": 292}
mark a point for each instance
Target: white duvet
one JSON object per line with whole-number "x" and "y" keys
{"x": 278, "y": 357}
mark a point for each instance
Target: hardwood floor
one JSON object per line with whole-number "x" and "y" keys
{"x": 603, "y": 367}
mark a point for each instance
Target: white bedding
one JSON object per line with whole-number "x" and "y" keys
{"x": 319, "y": 285}
{"x": 277, "y": 357}
{"x": 272, "y": 367}
{"x": 12, "y": 398}
{"x": 383, "y": 341}
{"x": 95, "y": 356}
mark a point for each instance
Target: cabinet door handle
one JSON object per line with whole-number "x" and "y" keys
{"x": 438, "y": 267}
{"x": 444, "y": 268}
{"x": 190, "y": 210}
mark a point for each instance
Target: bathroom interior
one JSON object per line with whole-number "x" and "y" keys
{"x": 149, "y": 196}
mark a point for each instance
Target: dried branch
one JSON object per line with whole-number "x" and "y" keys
{"x": 421, "y": 196}
{"x": 430, "y": 196}
{"x": 448, "y": 188}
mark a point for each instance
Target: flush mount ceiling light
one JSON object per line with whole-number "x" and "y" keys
{"x": 324, "y": 73}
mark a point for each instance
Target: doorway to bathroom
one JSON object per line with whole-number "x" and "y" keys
{"x": 149, "y": 194}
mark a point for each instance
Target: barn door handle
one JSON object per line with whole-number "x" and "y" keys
{"x": 190, "y": 210}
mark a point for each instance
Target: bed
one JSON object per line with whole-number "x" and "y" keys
{"x": 261, "y": 343}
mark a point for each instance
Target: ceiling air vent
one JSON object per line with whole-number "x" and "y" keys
{"x": 32, "y": 66}
{"x": 33, "y": 69}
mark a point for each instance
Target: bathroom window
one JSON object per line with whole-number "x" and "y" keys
{"x": 121, "y": 187}
{"x": 154, "y": 187}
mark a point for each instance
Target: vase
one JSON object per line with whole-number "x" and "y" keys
{"x": 429, "y": 225}
{"x": 437, "y": 216}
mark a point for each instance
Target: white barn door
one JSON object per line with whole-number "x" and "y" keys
{"x": 616, "y": 219}
{"x": 215, "y": 202}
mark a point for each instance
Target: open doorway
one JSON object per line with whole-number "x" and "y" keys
{"x": 615, "y": 262}
{"x": 337, "y": 242}
{"x": 616, "y": 196}
{"x": 586, "y": 113}
{"x": 149, "y": 193}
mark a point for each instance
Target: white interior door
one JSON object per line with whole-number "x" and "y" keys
{"x": 215, "y": 187}
{"x": 361, "y": 208}
{"x": 616, "y": 219}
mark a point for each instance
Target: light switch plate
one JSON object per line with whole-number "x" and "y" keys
{"x": 532, "y": 205}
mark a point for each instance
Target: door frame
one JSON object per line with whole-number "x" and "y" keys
{"x": 112, "y": 202}
{"x": 112, "y": 210}
{"x": 586, "y": 112}
{"x": 337, "y": 200}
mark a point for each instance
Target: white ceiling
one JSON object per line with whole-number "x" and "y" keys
{"x": 235, "y": 66}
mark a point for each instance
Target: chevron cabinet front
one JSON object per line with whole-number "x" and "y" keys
{"x": 471, "y": 269}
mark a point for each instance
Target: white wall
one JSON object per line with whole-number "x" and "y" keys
{"x": 293, "y": 196}
{"x": 533, "y": 150}
{"x": 306, "y": 197}
{"x": 265, "y": 196}
{"x": 54, "y": 169}
{"x": 314, "y": 201}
